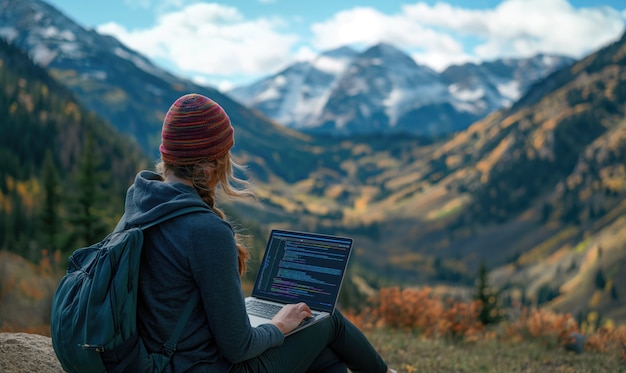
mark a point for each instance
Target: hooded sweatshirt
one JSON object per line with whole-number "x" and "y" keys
{"x": 192, "y": 253}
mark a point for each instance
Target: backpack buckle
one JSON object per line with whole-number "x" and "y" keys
{"x": 168, "y": 349}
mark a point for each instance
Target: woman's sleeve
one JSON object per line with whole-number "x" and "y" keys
{"x": 214, "y": 265}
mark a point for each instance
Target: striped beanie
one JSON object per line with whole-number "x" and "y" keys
{"x": 195, "y": 128}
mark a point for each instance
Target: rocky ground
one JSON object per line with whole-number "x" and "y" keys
{"x": 27, "y": 353}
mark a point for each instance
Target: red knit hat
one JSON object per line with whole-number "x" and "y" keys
{"x": 195, "y": 128}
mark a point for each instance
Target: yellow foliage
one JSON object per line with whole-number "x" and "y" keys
{"x": 7, "y": 206}
{"x": 10, "y": 181}
{"x": 71, "y": 110}
{"x": 541, "y": 251}
{"x": 595, "y": 299}
{"x": 512, "y": 119}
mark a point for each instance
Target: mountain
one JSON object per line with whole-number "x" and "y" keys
{"x": 126, "y": 89}
{"x": 378, "y": 92}
{"x": 536, "y": 189}
{"x": 382, "y": 90}
{"x": 496, "y": 85}
{"x": 294, "y": 96}
{"x": 51, "y": 148}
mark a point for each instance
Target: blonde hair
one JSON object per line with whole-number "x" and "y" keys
{"x": 208, "y": 178}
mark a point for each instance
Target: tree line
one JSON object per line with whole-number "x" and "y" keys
{"x": 64, "y": 171}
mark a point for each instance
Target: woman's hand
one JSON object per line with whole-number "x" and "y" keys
{"x": 290, "y": 316}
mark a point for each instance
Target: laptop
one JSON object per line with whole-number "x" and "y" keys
{"x": 299, "y": 267}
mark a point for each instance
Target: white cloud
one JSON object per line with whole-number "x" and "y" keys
{"x": 434, "y": 34}
{"x": 525, "y": 27}
{"x": 368, "y": 26}
{"x": 211, "y": 39}
{"x": 217, "y": 44}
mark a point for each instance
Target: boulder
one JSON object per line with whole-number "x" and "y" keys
{"x": 575, "y": 343}
{"x": 24, "y": 352}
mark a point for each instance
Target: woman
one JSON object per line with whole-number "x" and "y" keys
{"x": 199, "y": 253}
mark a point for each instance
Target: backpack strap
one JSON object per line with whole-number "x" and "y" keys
{"x": 169, "y": 347}
{"x": 174, "y": 214}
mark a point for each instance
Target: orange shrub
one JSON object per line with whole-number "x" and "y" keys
{"x": 421, "y": 310}
{"x": 608, "y": 338}
{"x": 543, "y": 324}
{"x": 460, "y": 320}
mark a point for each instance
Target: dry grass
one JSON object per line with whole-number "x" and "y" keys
{"x": 417, "y": 331}
{"x": 406, "y": 351}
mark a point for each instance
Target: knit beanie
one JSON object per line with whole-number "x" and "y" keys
{"x": 195, "y": 128}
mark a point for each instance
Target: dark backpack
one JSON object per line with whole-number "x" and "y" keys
{"x": 94, "y": 309}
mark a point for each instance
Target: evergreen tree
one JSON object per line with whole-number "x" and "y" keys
{"x": 49, "y": 213}
{"x": 600, "y": 279}
{"x": 89, "y": 227}
{"x": 491, "y": 311}
{"x": 614, "y": 294}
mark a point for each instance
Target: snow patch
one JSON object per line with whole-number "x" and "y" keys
{"x": 54, "y": 33}
{"x": 510, "y": 90}
{"x": 8, "y": 33}
{"x": 42, "y": 55}
{"x": 467, "y": 95}
{"x": 280, "y": 81}
{"x": 330, "y": 65}
{"x": 271, "y": 93}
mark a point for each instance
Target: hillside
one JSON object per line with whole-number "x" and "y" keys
{"x": 535, "y": 191}
{"x": 382, "y": 90}
{"x": 131, "y": 93}
{"x": 47, "y": 140}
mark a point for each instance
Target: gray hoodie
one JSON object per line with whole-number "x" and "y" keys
{"x": 191, "y": 253}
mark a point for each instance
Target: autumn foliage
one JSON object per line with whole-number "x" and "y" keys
{"x": 431, "y": 316}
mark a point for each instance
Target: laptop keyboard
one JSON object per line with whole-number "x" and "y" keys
{"x": 266, "y": 310}
{"x": 262, "y": 309}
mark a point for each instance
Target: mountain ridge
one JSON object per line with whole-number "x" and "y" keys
{"x": 408, "y": 97}
{"x": 538, "y": 185}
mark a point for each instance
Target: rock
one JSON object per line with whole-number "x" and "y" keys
{"x": 27, "y": 353}
{"x": 576, "y": 343}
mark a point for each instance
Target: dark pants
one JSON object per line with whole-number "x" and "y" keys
{"x": 332, "y": 345}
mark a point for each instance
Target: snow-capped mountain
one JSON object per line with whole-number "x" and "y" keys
{"x": 53, "y": 40}
{"x": 341, "y": 92}
{"x": 119, "y": 84}
{"x": 495, "y": 85}
{"x": 294, "y": 96}
{"x": 375, "y": 92}
{"x": 383, "y": 90}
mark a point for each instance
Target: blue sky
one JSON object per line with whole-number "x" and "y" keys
{"x": 225, "y": 44}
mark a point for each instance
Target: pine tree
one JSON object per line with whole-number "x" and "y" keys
{"x": 600, "y": 279}
{"x": 491, "y": 311}
{"x": 89, "y": 227}
{"x": 49, "y": 214}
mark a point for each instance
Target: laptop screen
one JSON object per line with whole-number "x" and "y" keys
{"x": 303, "y": 267}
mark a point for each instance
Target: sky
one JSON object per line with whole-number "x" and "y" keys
{"x": 228, "y": 44}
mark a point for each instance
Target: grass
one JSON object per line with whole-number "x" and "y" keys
{"x": 407, "y": 352}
